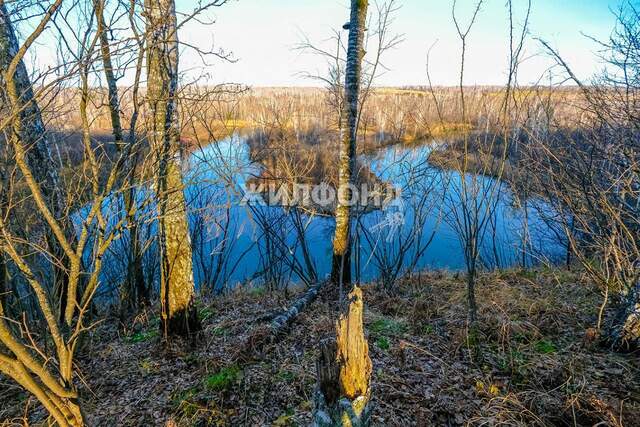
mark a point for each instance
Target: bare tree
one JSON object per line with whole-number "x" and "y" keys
{"x": 35, "y": 147}
{"x": 48, "y": 372}
{"x": 591, "y": 177}
{"x": 177, "y": 290}
{"x": 480, "y": 158}
{"x": 394, "y": 240}
{"x": 344, "y": 367}
{"x": 138, "y": 292}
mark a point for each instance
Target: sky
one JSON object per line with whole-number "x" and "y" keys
{"x": 263, "y": 38}
{"x": 262, "y": 35}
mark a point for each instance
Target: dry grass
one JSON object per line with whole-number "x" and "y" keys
{"x": 529, "y": 362}
{"x": 390, "y": 114}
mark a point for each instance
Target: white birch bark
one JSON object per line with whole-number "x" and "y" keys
{"x": 344, "y": 366}
{"x": 177, "y": 286}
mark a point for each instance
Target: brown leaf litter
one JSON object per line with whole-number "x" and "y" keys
{"x": 530, "y": 361}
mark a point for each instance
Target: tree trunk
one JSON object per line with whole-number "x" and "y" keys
{"x": 105, "y": 52}
{"x": 341, "y": 263}
{"x": 136, "y": 272}
{"x": 277, "y": 324}
{"x": 4, "y": 284}
{"x": 624, "y": 333}
{"x": 56, "y": 394}
{"x": 4, "y": 276}
{"x": 177, "y": 289}
{"x": 64, "y": 410}
{"x": 471, "y": 297}
{"x": 344, "y": 370}
{"x": 32, "y": 135}
{"x": 137, "y": 289}
{"x": 344, "y": 367}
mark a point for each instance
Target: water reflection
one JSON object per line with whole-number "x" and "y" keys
{"x": 235, "y": 242}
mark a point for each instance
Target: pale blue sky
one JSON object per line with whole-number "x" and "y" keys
{"x": 262, "y": 34}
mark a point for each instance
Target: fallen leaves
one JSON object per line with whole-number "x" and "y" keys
{"x": 525, "y": 365}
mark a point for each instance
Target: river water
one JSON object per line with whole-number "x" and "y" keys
{"x": 235, "y": 242}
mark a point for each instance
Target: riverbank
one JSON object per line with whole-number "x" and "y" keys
{"x": 531, "y": 361}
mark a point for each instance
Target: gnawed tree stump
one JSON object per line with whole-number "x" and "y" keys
{"x": 344, "y": 367}
{"x": 344, "y": 370}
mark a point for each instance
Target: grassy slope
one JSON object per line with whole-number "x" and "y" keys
{"x": 529, "y": 363}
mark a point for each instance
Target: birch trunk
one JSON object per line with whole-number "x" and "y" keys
{"x": 177, "y": 291}
{"x": 341, "y": 265}
{"x": 30, "y": 131}
{"x": 344, "y": 367}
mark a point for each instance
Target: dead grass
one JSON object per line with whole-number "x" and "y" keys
{"x": 390, "y": 114}
{"x": 530, "y": 361}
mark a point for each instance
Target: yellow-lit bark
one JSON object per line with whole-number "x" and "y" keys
{"x": 344, "y": 366}
{"x": 177, "y": 286}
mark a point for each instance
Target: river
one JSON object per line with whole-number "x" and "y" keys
{"x": 235, "y": 242}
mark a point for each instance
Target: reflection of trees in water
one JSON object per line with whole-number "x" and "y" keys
{"x": 289, "y": 159}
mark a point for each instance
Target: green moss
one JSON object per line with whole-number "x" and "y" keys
{"x": 223, "y": 379}
{"x": 142, "y": 336}
{"x": 545, "y": 347}
{"x": 287, "y": 376}
{"x": 389, "y": 327}
{"x": 383, "y": 343}
{"x": 205, "y": 313}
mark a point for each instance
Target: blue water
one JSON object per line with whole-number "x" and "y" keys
{"x": 235, "y": 243}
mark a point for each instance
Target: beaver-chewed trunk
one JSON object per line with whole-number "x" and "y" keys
{"x": 344, "y": 370}
{"x": 344, "y": 367}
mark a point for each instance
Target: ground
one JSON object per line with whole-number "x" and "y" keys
{"x": 531, "y": 360}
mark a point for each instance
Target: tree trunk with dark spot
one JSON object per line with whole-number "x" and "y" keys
{"x": 177, "y": 290}
{"x": 344, "y": 368}
{"x": 32, "y": 135}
